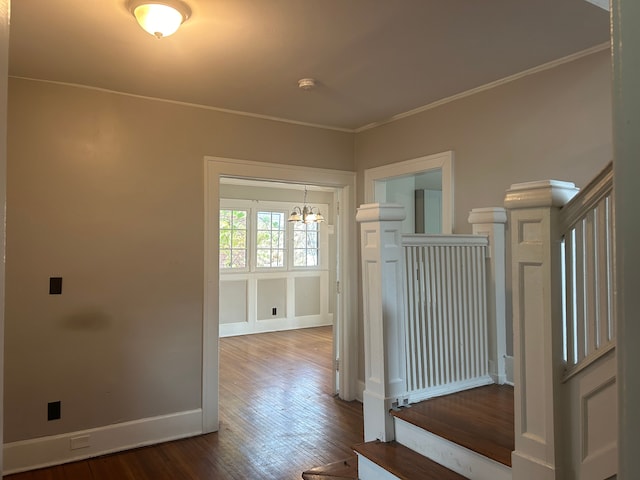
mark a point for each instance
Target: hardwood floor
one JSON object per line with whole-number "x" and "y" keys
{"x": 278, "y": 417}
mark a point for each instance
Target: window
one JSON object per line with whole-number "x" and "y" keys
{"x": 305, "y": 244}
{"x": 233, "y": 239}
{"x": 270, "y": 239}
{"x": 255, "y": 236}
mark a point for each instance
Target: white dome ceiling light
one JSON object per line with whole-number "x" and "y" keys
{"x": 307, "y": 83}
{"x": 160, "y": 18}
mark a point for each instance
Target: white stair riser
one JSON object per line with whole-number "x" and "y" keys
{"x": 368, "y": 470}
{"x": 461, "y": 460}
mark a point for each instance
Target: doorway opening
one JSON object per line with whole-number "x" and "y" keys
{"x": 423, "y": 186}
{"x": 222, "y": 175}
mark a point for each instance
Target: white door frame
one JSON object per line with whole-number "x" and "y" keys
{"x": 442, "y": 160}
{"x": 346, "y": 306}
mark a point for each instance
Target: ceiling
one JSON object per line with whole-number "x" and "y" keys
{"x": 373, "y": 59}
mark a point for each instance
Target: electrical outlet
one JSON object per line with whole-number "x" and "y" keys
{"x": 81, "y": 441}
{"x": 54, "y": 410}
{"x": 274, "y": 311}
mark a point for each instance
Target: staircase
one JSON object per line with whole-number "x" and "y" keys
{"x": 468, "y": 434}
{"x": 432, "y": 321}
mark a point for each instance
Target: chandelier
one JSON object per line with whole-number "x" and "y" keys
{"x": 306, "y": 214}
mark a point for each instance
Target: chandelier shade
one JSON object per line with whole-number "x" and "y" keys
{"x": 306, "y": 214}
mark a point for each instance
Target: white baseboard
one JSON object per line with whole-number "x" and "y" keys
{"x": 420, "y": 395}
{"x": 275, "y": 325}
{"x": 57, "y": 449}
{"x": 508, "y": 364}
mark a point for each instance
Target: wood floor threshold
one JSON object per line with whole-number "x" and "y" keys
{"x": 480, "y": 419}
{"x": 403, "y": 462}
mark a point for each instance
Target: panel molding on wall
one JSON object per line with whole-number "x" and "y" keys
{"x": 57, "y": 449}
{"x": 286, "y": 318}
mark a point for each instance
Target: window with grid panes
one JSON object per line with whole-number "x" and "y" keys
{"x": 233, "y": 239}
{"x": 270, "y": 239}
{"x": 305, "y": 244}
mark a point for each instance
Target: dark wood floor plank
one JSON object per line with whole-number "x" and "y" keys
{"x": 346, "y": 469}
{"x": 480, "y": 419}
{"x": 278, "y": 418}
{"x": 405, "y": 463}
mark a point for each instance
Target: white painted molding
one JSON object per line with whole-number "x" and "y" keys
{"x": 419, "y": 239}
{"x": 369, "y": 470}
{"x": 449, "y": 388}
{"x": 276, "y": 325}
{"x": 442, "y": 161}
{"x": 383, "y": 315}
{"x": 488, "y": 215}
{"x": 459, "y": 459}
{"x": 346, "y": 314}
{"x": 189, "y": 104}
{"x": 537, "y": 338}
{"x": 508, "y": 361}
{"x": 544, "y": 193}
{"x": 490, "y": 222}
{"x": 590, "y": 195}
{"x": 374, "y": 212}
{"x": 56, "y": 449}
{"x": 482, "y": 88}
{"x": 468, "y": 93}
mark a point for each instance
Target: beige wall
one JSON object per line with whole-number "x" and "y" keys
{"x": 106, "y": 191}
{"x": 554, "y": 124}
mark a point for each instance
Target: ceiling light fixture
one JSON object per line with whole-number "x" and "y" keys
{"x": 160, "y": 18}
{"x": 306, "y": 214}
{"x": 307, "y": 83}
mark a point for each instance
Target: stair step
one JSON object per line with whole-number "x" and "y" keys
{"x": 346, "y": 469}
{"x": 404, "y": 463}
{"x": 480, "y": 419}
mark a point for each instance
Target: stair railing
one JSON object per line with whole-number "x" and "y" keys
{"x": 586, "y": 225}
{"x": 563, "y": 277}
{"x": 425, "y": 304}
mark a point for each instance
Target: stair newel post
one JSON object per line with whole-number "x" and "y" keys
{"x": 383, "y": 313}
{"x": 491, "y": 223}
{"x": 537, "y": 325}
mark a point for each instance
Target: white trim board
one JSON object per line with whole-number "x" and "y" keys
{"x": 508, "y": 363}
{"x": 409, "y": 113}
{"x": 455, "y": 457}
{"x": 443, "y": 161}
{"x": 345, "y": 315}
{"x": 57, "y": 449}
{"x": 497, "y": 83}
{"x": 277, "y": 325}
